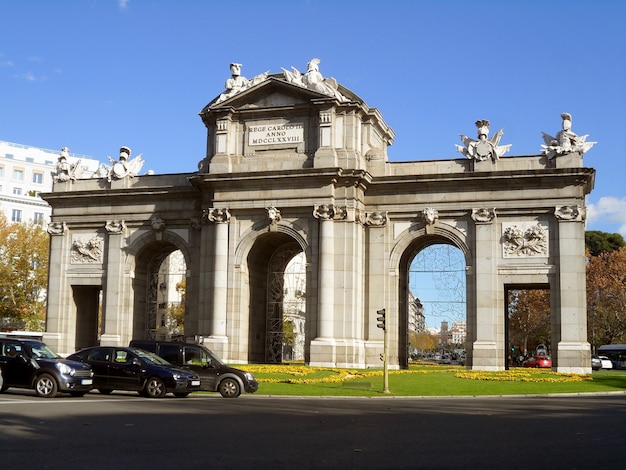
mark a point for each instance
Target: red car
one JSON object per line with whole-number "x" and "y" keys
{"x": 543, "y": 362}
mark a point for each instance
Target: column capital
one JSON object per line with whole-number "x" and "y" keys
{"x": 217, "y": 215}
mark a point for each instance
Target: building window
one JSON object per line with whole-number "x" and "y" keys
{"x": 37, "y": 178}
{"x": 16, "y": 215}
{"x": 18, "y": 174}
{"x": 8, "y": 155}
{"x": 1, "y": 171}
{"x": 38, "y": 218}
{"x": 30, "y": 159}
{"x": 17, "y": 191}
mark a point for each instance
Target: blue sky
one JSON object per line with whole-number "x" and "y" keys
{"x": 94, "y": 75}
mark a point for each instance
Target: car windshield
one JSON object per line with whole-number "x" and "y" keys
{"x": 152, "y": 358}
{"x": 41, "y": 351}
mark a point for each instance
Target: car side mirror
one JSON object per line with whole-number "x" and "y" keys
{"x": 136, "y": 362}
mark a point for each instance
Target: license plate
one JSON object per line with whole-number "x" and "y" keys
{"x": 195, "y": 383}
{"x": 86, "y": 381}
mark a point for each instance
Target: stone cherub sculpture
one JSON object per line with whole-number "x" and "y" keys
{"x": 566, "y": 141}
{"x": 483, "y": 148}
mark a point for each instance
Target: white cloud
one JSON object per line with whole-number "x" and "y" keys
{"x": 123, "y": 4}
{"x": 608, "y": 209}
{"x": 6, "y": 63}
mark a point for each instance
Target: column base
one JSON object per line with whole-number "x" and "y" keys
{"x": 573, "y": 357}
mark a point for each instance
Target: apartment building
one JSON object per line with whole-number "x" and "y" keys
{"x": 25, "y": 173}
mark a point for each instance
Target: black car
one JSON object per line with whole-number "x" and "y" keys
{"x": 28, "y": 363}
{"x": 215, "y": 376}
{"x": 120, "y": 368}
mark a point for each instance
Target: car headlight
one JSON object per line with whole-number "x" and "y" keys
{"x": 179, "y": 377}
{"x": 249, "y": 376}
{"x": 65, "y": 369}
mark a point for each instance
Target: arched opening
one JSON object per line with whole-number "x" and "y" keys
{"x": 160, "y": 291}
{"x": 277, "y": 281}
{"x": 433, "y": 322}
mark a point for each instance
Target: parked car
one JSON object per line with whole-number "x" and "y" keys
{"x": 606, "y": 362}
{"x": 596, "y": 362}
{"x": 215, "y": 376}
{"x": 28, "y": 363}
{"x": 121, "y": 368}
{"x": 543, "y": 362}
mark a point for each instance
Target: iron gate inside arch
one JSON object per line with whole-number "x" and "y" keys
{"x": 285, "y": 296}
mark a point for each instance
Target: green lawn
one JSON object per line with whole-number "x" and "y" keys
{"x": 299, "y": 380}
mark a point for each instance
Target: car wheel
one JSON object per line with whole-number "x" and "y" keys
{"x": 155, "y": 388}
{"x": 181, "y": 394}
{"x": 229, "y": 388}
{"x": 46, "y": 386}
{"x": 105, "y": 391}
{"x": 2, "y": 387}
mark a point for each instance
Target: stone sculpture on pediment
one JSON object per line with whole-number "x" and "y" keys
{"x": 238, "y": 83}
{"x": 87, "y": 250}
{"x": 484, "y": 147}
{"x": 313, "y": 80}
{"x": 530, "y": 242}
{"x": 566, "y": 141}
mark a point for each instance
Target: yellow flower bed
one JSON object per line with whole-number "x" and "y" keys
{"x": 301, "y": 374}
{"x": 521, "y": 375}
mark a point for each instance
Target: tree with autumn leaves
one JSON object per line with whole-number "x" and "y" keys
{"x": 529, "y": 309}
{"x": 23, "y": 275}
{"x": 606, "y": 297}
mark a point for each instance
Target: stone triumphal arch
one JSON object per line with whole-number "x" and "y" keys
{"x": 296, "y": 165}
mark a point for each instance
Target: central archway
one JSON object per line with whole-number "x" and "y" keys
{"x": 267, "y": 265}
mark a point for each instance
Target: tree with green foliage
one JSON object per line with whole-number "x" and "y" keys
{"x": 24, "y": 250}
{"x": 602, "y": 242}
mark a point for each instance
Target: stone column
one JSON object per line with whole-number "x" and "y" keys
{"x": 487, "y": 348}
{"x": 323, "y": 347}
{"x": 218, "y": 339}
{"x": 116, "y": 317}
{"x": 56, "y": 335}
{"x": 571, "y": 296}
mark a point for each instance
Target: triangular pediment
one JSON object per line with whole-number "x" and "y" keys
{"x": 271, "y": 93}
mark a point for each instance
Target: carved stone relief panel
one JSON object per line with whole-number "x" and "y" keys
{"x": 524, "y": 239}
{"x": 86, "y": 250}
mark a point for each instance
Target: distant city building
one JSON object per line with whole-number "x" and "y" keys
{"x": 417, "y": 321}
{"x": 458, "y": 333}
{"x": 27, "y": 171}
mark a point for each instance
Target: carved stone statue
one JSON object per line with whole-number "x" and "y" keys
{"x": 483, "y": 148}
{"x": 238, "y": 83}
{"x": 313, "y": 80}
{"x": 125, "y": 167}
{"x": 66, "y": 171}
{"x": 566, "y": 141}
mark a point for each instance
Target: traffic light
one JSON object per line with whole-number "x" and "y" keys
{"x": 380, "y": 318}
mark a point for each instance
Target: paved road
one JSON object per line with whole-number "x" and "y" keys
{"x": 123, "y": 431}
